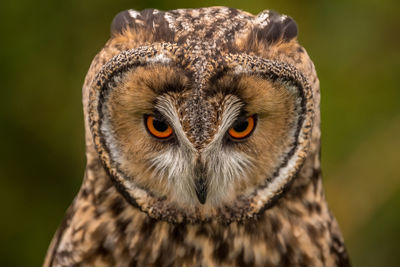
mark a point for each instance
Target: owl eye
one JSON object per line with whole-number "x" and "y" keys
{"x": 242, "y": 128}
{"x": 157, "y": 128}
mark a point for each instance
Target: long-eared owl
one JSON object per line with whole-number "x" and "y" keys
{"x": 202, "y": 145}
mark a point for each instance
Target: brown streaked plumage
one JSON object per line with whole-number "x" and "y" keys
{"x": 201, "y": 197}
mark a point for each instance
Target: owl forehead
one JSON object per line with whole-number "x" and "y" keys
{"x": 200, "y": 102}
{"x": 200, "y": 120}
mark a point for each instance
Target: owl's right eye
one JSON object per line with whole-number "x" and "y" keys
{"x": 157, "y": 128}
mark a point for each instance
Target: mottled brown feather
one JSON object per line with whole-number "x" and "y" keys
{"x": 201, "y": 60}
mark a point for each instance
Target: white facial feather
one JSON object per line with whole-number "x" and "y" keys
{"x": 174, "y": 164}
{"x": 224, "y": 167}
{"x": 225, "y": 164}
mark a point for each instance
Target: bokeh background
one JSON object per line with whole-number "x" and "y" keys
{"x": 47, "y": 46}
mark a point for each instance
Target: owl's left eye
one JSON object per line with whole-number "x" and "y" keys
{"x": 157, "y": 128}
{"x": 242, "y": 128}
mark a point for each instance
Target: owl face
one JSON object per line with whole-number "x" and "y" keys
{"x": 199, "y": 133}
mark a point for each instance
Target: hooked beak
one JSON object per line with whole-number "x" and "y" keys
{"x": 201, "y": 190}
{"x": 201, "y": 183}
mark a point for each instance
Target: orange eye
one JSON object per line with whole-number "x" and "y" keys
{"x": 242, "y": 128}
{"x": 157, "y": 128}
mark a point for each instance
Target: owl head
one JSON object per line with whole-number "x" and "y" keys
{"x": 201, "y": 114}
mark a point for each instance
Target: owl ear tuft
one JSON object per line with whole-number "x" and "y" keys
{"x": 123, "y": 20}
{"x": 149, "y": 24}
{"x": 290, "y": 29}
{"x": 272, "y": 27}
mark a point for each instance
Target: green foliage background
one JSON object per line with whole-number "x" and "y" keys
{"x": 47, "y": 46}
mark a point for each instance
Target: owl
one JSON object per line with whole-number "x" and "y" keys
{"x": 202, "y": 146}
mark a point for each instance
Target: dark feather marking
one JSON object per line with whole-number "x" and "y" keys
{"x": 165, "y": 255}
{"x": 270, "y": 34}
{"x": 147, "y": 227}
{"x": 315, "y": 178}
{"x": 313, "y": 232}
{"x": 121, "y": 21}
{"x": 285, "y": 262}
{"x": 275, "y": 30}
{"x": 178, "y": 232}
{"x": 250, "y": 227}
{"x": 287, "y": 257}
{"x": 117, "y": 206}
{"x": 84, "y": 193}
{"x": 276, "y": 225}
{"x": 338, "y": 249}
{"x": 312, "y": 207}
{"x": 305, "y": 260}
{"x": 133, "y": 262}
{"x": 315, "y": 235}
{"x": 221, "y": 251}
{"x": 102, "y": 251}
{"x": 290, "y": 30}
{"x": 202, "y": 231}
{"x": 240, "y": 260}
{"x": 101, "y": 196}
{"x": 159, "y": 26}
{"x": 225, "y": 84}
{"x": 121, "y": 225}
{"x": 174, "y": 84}
{"x": 64, "y": 225}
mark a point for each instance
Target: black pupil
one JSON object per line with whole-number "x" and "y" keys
{"x": 241, "y": 126}
{"x": 160, "y": 126}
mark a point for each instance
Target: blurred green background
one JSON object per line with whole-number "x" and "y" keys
{"x": 46, "y": 49}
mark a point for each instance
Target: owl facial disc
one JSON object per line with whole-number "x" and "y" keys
{"x": 214, "y": 144}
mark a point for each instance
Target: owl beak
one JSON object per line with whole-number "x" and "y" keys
{"x": 201, "y": 190}
{"x": 200, "y": 183}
